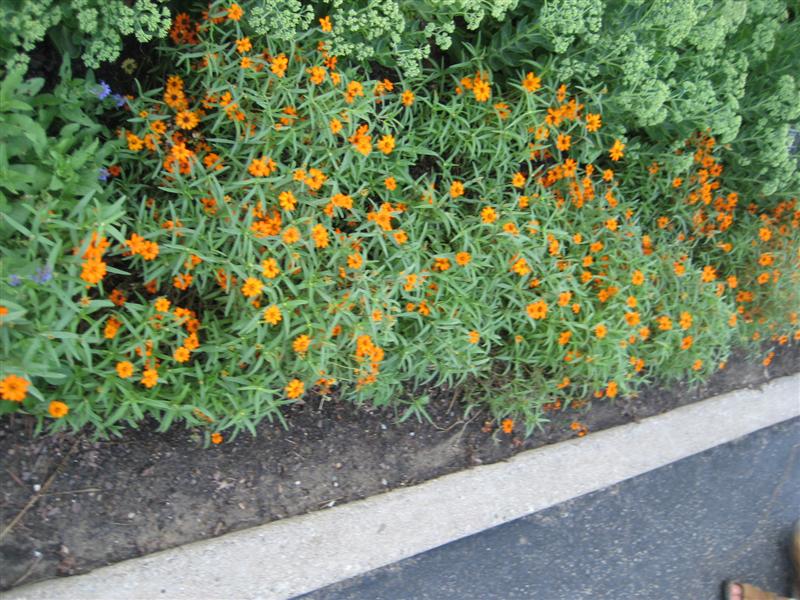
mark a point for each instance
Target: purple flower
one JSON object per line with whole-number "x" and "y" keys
{"x": 103, "y": 90}
{"x": 119, "y": 100}
{"x": 14, "y": 280}
{"x": 43, "y": 275}
{"x": 103, "y": 174}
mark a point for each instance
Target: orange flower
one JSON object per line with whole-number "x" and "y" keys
{"x": 616, "y": 151}
{"x": 234, "y": 12}
{"x": 111, "y": 328}
{"x": 441, "y": 264}
{"x": 13, "y": 388}
{"x": 520, "y": 267}
{"x": 295, "y": 388}
{"x": 316, "y": 75}
{"x": 518, "y": 180}
{"x": 57, "y": 409}
{"x": 537, "y": 310}
{"x": 181, "y": 354}
{"x": 709, "y": 274}
{"x": 390, "y": 183}
{"x": 507, "y": 425}
{"x": 456, "y": 189}
{"x": 279, "y": 64}
{"x": 687, "y": 342}
{"x": 632, "y": 318}
{"x": 186, "y": 119}
{"x": 149, "y": 378}
{"x": 272, "y": 315}
{"x": 664, "y": 323}
{"x": 287, "y": 200}
{"x": 474, "y": 337}
{"x": 355, "y": 260}
{"x": 564, "y": 337}
{"x": 488, "y": 214}
{"x": 637, "y": 278}
{"x": 563, "y": 142}
{"x": 301, "y": 344}
{"x": 407, "y": 98}
{"x": 386, "y": 144}
{"x": 611, "y": 389}
{"x": 269, "y": 268}
{"x": 593, "y": 122}
{"x": 93, "y": 271}
{"x": 463, "y": 258}
{"x": 216, "y": 437}
{"x": 125, "y": 369}
{"x": 354, "y": 89}
{"x": 243, "y": 45}
{"x": 601, "y": 331}
{"x": 531, "y": 82}
{"x": 320, "y": 236}
{"x": 162, "y": 305}
{"x": 262, "y": 167}
{"x": 252, "y": 287}
{"x": 686, "y": 320}
{"x": 481, "y": 90}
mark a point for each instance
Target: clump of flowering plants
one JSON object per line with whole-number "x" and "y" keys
{"x": 292, "y": 225}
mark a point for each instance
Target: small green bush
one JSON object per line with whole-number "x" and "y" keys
{"x": 91, "y": 29}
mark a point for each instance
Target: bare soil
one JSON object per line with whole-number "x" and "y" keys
{"x": 94, "y": 503}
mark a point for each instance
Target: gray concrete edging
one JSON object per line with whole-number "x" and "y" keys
{"x": 293, "y": 556}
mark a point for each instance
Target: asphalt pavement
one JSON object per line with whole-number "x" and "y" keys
{"x": 673, "y": 533}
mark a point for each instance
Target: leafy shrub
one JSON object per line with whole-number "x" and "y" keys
{"x": 50, "y": 192}
{"x": 671, "y": 68}
{"x": 389, "y": 32}
{"x": 90, "y": 29}
{"x": 284, "y": 224}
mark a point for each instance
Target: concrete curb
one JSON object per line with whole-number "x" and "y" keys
{"x": 297, "y": 555}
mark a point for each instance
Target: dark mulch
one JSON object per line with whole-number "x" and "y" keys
{"x": 112, "y": 500}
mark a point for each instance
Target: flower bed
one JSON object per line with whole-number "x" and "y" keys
{"x": 286, "y": 208}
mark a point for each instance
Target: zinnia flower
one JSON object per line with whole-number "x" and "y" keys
{"x": 301, "y": 344}
{"x": 386, "y": 144}
{"x": 124, "y": 369}
{"x": 272, "y": 314}
{"x": 531, "y": 82}
{"x": 57, "y": 409}
{"x": 252, "y": 287}
{"x": 186, "y": 119}
{"x": 149, "y": 378}
{"x": 13, "y": 388}
{"x": 537, "y": 310}
{"x": 616, "y": 151}
{"x": 295, "y": 388}
{"x": 234, "y": 12}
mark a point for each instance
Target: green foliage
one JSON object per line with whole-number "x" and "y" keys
{"x": 594, "y": 196}
{"x": 390, "y": 32}
{"x": 90, "y": 29}
{"x": 50, "y": 158}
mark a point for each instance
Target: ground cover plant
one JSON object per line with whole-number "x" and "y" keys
{"x": 269, "y": 220}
